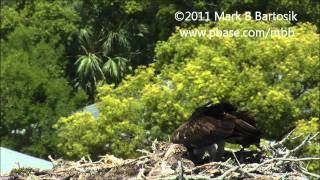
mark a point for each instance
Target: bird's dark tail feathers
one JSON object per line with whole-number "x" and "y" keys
{"x": 246, "y": 128}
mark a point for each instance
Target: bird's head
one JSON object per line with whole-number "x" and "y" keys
{"x": 226, "y": 106}
{"x": 201, "y": 110}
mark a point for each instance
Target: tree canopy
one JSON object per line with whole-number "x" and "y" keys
{"x": 272, "y": 77}
{"x": 34, "y": 89}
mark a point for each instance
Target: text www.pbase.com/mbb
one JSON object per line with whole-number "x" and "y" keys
{"x": 215, "y": 32}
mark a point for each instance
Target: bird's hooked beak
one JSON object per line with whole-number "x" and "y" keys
{"x": 208, "y": 103}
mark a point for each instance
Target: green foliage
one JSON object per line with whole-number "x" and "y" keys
{"x": 81, "y": 134}
{"x": 34, "y": 93}
{"x": 48, "y": 19}
{"x": 124, "y": 134}
{"x": 9, "y": 20}
{"x": 22, "y": 170}
{"x": 272, "y": 77}
{"x": 84, "y": 128}
{"x": 132, "y": 6}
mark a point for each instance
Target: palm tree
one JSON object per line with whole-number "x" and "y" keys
{"x": 96, "y": 66}
{"x": 89, "y": 73}
{"x": 107, "y": 56}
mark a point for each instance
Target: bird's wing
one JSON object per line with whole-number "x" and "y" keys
{"x": 218, "y": 110}
{"x": 204, "y": 131}
{"x": 242, "y": 126}
{"x": 246, "y": 116}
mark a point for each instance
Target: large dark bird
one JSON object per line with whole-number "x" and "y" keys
{"x": 211, "y": 125}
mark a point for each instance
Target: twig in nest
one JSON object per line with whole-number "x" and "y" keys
{"x": 302, "y": 144}
{"x": 51, "y": 159}
{"x": 141, "y": 173}
{"x": 144, "y": 151}
{"x": 283, "y": 140}
{"x": 154, "y": 145}
{"x": 297, "y": 159}
{"x": 181, "y": 170}
{"x": 296, "y": 137}
{"x": 219, "y": 164}
{"x": 90, "y": 160}
{"x": 174, "y": 177}
{"x": 241, "y": 169}
{"x": 225, "y": 163}
{"x": 225, "y": 174}
{"x": 315, "y": 135}
{"x": 281, "y": 159}
{"x": 305, "y": 171}
{"x": 236, "y": 159}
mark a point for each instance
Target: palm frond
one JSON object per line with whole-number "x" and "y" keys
{"x": 119, "y": 37}
{"x": 115, "y": 68}
{"x": 85, "y": 36}
{"x": 89, "y": 68}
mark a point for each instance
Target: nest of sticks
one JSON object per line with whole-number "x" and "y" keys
{"x": 169, "y": 161}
